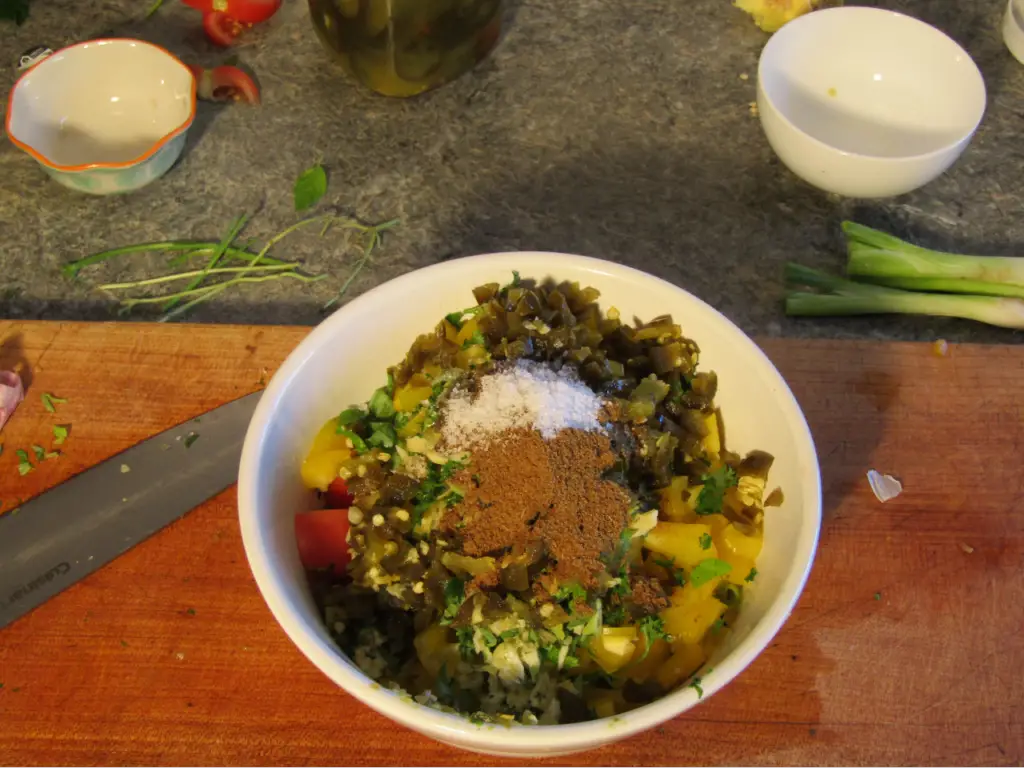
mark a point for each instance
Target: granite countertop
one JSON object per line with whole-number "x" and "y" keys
{"x": 620, "y": 130}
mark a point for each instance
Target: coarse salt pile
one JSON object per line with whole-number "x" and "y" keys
{"x": 528, "y": 394}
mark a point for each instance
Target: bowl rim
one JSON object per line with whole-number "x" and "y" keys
{"x": 152, "y": 150}
{"x": 539, "y": 739}
{"x": 775, "y": 41}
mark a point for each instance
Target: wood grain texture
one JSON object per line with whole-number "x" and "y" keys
{"x": 906, "y": 648}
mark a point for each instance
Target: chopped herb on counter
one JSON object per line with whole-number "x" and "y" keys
{"x": 24, "y": 463}
{"x": 50, "y": 402}
{"x": 309, "y": 187}
{"x": 39, "y": 452}
{"x": 191, "y": 438}
{"x": 60, "y": 433}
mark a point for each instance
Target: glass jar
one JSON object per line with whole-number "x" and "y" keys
{"x": 406, "y": 47}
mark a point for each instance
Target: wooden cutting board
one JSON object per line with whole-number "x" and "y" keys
{"x": 906, "y": 648}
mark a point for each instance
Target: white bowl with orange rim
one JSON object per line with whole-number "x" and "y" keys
{"x": 104, "y": 116}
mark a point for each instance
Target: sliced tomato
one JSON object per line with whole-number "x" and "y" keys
{"x": 222, "y": 29}
{"x": 320, "y": 536}
{"x": 245, "y": 11}
{"x": 338, "y": 496}
{"x": 225, "y": 83}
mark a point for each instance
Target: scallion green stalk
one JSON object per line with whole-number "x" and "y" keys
{"x": 875, "y": 254}
{"x": 845, "y": 297}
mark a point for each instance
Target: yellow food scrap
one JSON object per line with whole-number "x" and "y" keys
{"x": 614, "y": 648}
{"x": 682, "y": 542}
{"x": 770, "y": 15}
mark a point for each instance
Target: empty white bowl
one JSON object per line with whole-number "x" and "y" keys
{"x": 104, "y": 116}
{"x": 345, "y": 358}
{"x": 865, "y": 102}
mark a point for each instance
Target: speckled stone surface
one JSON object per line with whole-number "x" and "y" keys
{"x": 620, "y": 130}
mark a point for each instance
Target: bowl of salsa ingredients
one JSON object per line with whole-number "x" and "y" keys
{"x": 534, "y": 518}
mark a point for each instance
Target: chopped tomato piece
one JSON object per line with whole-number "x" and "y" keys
{"x": 245, "y": 11}
{"x": 338, "y": 496}
{"x": 222, "y": 29}
{"x": 225, "y": 83}
{"x": 320, "y": 536}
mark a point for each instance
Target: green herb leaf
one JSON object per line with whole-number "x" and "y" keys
{"x": 709, "y": 502}
{"x": 51, "y": 455}
{"x": 39, "y": 452}
{"x": 516, "y": 280}
{"x": 310, "y": 187}
{"x": 508, "y": 634}
{"x": 190, "y": 438}
{"x": 383, "y": 434}
{"x": 670, "y": 563}
{"x": 350, "y": 416}
{"x": 570, "y": 661}
{"x": 456, "y": 318}
{"x": 489, "y": 639}
{"x": 60, "y": 433}
{"x": 49, "y": 401}
{"x": 705, "y": 541}
{"x": 572, "y": 592}
{"x": 464, "y": 636}
{"x": 24, "y": 463}
{"x": 381, "y": 404}
{"x": 707, "y": 570}
{"x": 476, "y": 338}
{"x": 454, "y": 595}
{"x": 652, "y": 628}
{"x": 433, "y": 487}
{"x": 878, "y": 595}
{"x": 615, "y": 616}
{"x": 358, "y": 444}
{"x": 751, "y": 576}
{"x": 695, "y": 684}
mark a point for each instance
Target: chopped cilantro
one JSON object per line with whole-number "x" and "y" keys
{"x": 191, "y": 611}
{"x": 433, "y": 487}
{"x": 24, "y": 463}
{"x": 349, "y": 417}
{"x": 571, "y": 592}
{"x": 191, "y": 438}
{"x": 878, "y": 595}
{"x": 615, "y": 616}
{"x": 549, "y": 653}
{"x": 358, "y": 444}
{"x": 454, "y": 595}
{"x": 751, "y": 576}
{"x": 49, "y": 401}
{"x": 39, "y": 452}
{"x": 665, "y": 563}
{"x": 678, "y": 575}
{"x": 508, "y": 634}
{"x": 709, "y": 502}
{"x": 452, "y": 498}
{"x": 381, "y": 404}
{"x": 652, "y": 628}
{"x": 695, "y": 684}
{"x": 60, "y": 433}
{"x": 464, "y": 635}
{"x": 707, "y": 570}
{"x": 705, "y": 541}
{"x": 455, "y": 318}
{"x": 383, "y": 435}
{"x": 570, "y": 661}
{"x": 476, "y": 338}
{"x": 516, "y": 280}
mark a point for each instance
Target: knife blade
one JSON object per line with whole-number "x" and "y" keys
{"x": 71, "y": 530}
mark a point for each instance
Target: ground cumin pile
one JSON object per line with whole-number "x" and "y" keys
{"x": 523, "y": 491}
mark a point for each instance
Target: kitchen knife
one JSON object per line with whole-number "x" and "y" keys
{"x": 66, "y": 533}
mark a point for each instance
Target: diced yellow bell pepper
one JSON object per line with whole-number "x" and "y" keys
{"x": 467, "y": 330}
{"x": 473, "y": 355}
{"x": 328, "y": 439}
{"x": 408, "y": 397}
{"x": 434, "y": 650}
{"x": 689, "y": 623}
{"x": 740, "y": 569}
{"x": 690, "y": 595}
{"x": 613, "y": 650}
{"x": 605, "y": 703}
{"x": 718, "y": 524}
{"x": 321, "y": 469}
{"x": 681, "y": 541}
{"x": 414, "y": 425}
{"x": 684, "y": 661}
{"x": 712, "y": 442}
{"x": 673, "y": 506}
{"x": 739, "y": 544}
{"x": 643, "y": 667}
{"x": 451, "y": 333}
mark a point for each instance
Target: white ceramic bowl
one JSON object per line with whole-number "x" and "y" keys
{"x": 345, "y": 358}
{"x": 865, "y": 102}
{"x": 105, "y": 116}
